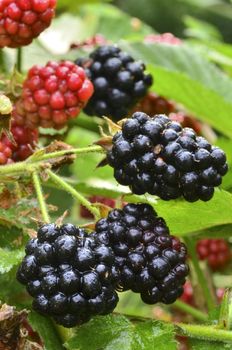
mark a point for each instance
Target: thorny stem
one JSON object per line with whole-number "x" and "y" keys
{"x": 204, "y": 332}
{"x": 35, "y": 163}
{"x": 197, "y": 314}
{"x": 19, "y": 59}
{"x": 61, "y": 183}
{"x": 40, "y": 197}
{"x": 201, "y": 278}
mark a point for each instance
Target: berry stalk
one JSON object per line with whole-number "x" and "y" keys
{"x": 61, "y": 183}
{"x": 35, "y": 163}
{"x": 197, "y": 314}
{"x": 204, "y": 332}
{"x": 40, "y": 197}
{"x": 201, "y": 278}
{"x": 19, "y": 59}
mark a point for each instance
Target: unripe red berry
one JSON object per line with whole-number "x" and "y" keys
{"x": 53, "y": 94}
{"x": 23, "y": 20}
{"x": 215, "y": 251}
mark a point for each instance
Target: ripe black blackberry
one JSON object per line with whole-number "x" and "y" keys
{"x": 158, "y": 156}
{"x": 150, "y": 261}
{"x": 70, "y": 276}
{"x": 119, "y": 81}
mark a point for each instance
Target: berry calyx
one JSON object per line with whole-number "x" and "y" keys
{"x": 85, "y": 213}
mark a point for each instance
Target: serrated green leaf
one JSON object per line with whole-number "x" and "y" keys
{"x": 104, "y": 331}
{"x": 152, "y": 335}
{"x": 116, "y": 332}
{"x": 206, "y": 345}
{"x": 46, "y": 329}
{"x": 9, "y": 258}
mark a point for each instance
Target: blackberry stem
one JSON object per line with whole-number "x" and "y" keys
{"x": 210, "y": 333}
{"x": 200, "y": 276}
{"x": 197, "y": 314}
{"x": 35, "y": 163}
{"x": 61, "y": 183}
{"x": 40, "y": 197}
{"x": 19, "y": 59}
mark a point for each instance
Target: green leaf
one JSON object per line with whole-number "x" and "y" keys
{"x": 46, "y": 329}
{"x": 184, "y": 59}
{"x": 206, "y": 104}
{"x": 104, "y": 331}
{"x": 9, "y": 258}
{"x": 206, "y": 345}
{"x": 152, "y": 335}
{"x": 116, "y": 332}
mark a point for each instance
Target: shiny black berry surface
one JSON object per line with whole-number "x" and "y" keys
{"x": 70, "y": 276}
{"x": 158, "y": 156}
{"x": 119, "y": 81}
{"x": 150, "y": 261}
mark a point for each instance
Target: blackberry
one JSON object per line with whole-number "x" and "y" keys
{"x": 158, "y": 156}
{"x": 150, "y": 261}
{"x": 119, "y": 81}
{"x": 215, "y": 251}
{"x": 70, "y": 276}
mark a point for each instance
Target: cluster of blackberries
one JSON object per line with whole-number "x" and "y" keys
{"x": 150, "y": 261}
{"x": 158, "y": 156}
{"x": 70, "y": 276}
{"x": 73, "y": 276}
{"x": 119, "y": 81}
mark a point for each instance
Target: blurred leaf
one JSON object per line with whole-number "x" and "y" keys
{"x": 116, "y": 332}
{"x": 221, "y": 231}
{"x": 46, "y": 329}
{"x": 82, "y": 169}
{"x": 200, "y": 29}
{"x": 9, "y": 258}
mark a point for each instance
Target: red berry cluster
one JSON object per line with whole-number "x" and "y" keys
{"x": 5, "y": 154}
{"x": 85, "y": 213}
{"x": 52, "y": 94}
{"x": 165, "y": 38}
{"x": 153, "y": 104}
{"x": 24, "y": 145}
{"x": 215, "y": 251}
{"x": 89, "y": 44}
{"x": 23, "y": 20}
{"x": 186, "y": 121}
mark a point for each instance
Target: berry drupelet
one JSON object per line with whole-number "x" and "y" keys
{"x": 215, "y": 251}
{"x": 158, "y": 156}
{"x": 69, "y": 275}
{"x": 52, "y": 95}
{"x": 119, "y": 82}
{"x": 153, "y": 104}
{"x": 23, "y": 20}
{"x": 150, "y": 261}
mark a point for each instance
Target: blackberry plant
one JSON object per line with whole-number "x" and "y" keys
{"x": 123, "y": 235}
